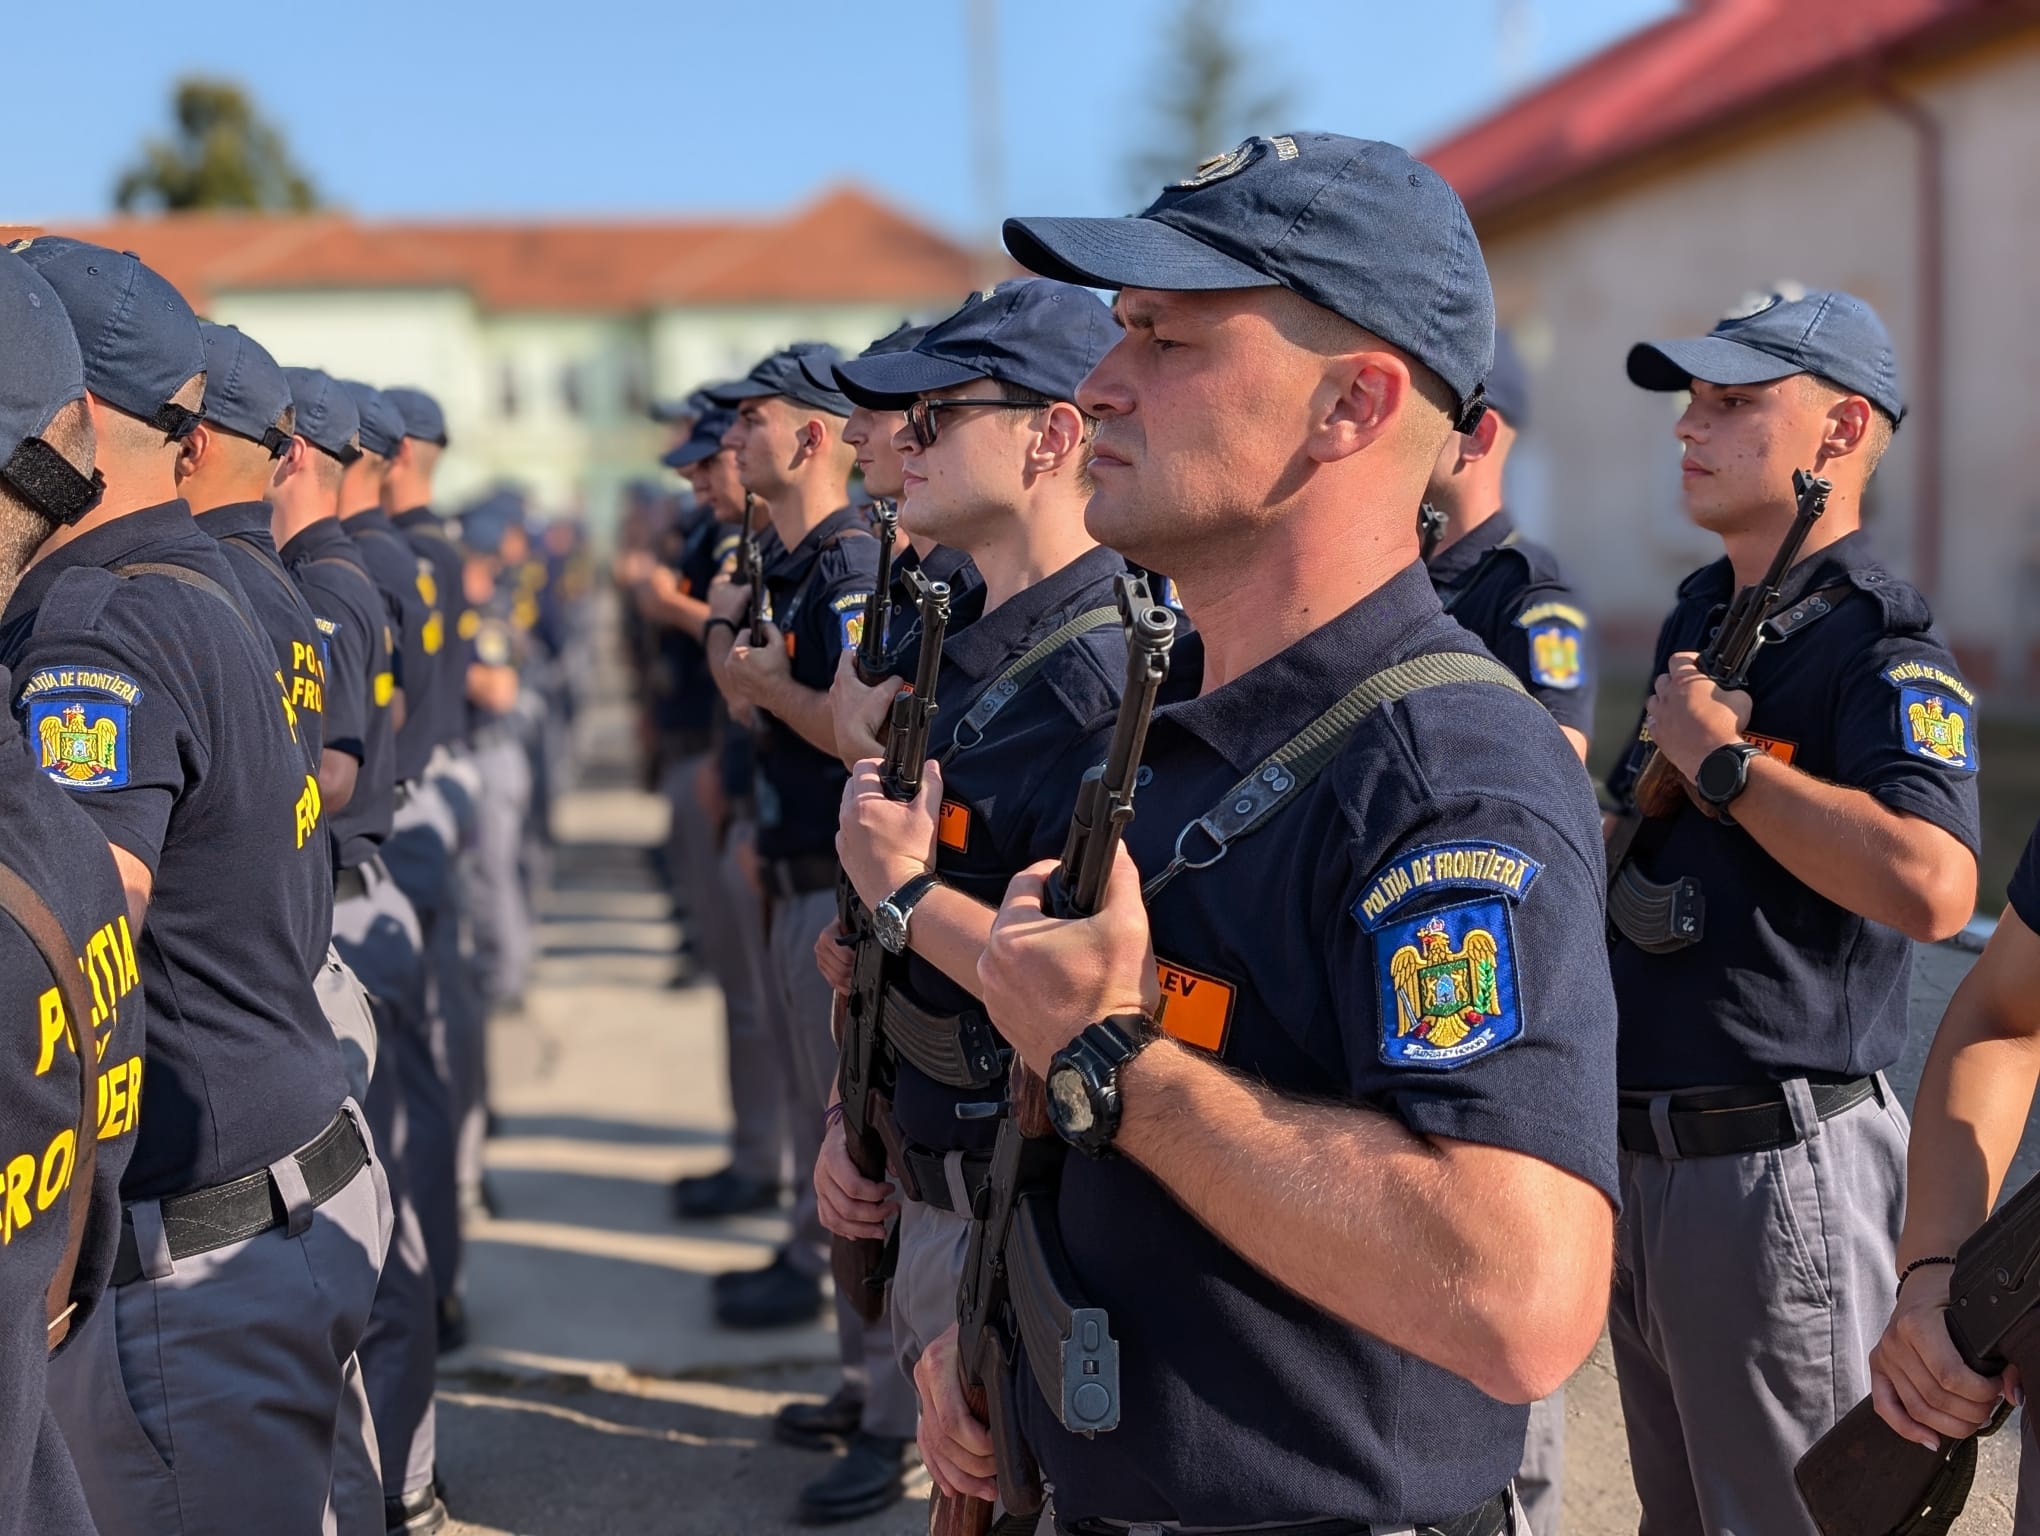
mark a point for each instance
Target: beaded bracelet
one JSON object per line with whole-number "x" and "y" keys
{"x": 1906, "y": 1273}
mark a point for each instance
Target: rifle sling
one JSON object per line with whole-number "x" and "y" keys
{"x": 200, "y": 582}
{"x": 20, "y": 902}
{"x": 1007, "y": 685}
{"x": 1291, "y": 768}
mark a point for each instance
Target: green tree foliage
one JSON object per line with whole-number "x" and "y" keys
{"x": 221, "y": 153}
{"x": 1207, "y": 96}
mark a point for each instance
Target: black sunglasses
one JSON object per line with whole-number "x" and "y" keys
{"x": 922, "y": 414}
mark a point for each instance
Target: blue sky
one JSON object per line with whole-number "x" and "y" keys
{"x": 446, "y": 107}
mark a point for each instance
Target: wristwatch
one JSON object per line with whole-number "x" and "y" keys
{"x": 1083, "y": 1081}
{"x": 889, "y": 917}
{"x": 1723, "y": 774}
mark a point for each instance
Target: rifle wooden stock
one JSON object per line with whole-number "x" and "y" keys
{"x": 859, "y": 1263}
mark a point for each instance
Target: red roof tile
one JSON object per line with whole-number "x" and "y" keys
{"x": 843, "y": 247}
{"x": 1714, "y": 61}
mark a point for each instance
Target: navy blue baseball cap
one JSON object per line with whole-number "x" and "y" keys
{"x": 326, "y": 416}
{"x": 382, "y": 425}
{"x": 783, "y": 374}
{"x": 138, "y": 337}
{"x": 898, "y": 339}
{"x": 423, "y": 419}
{"x": 245, "y": 390}
{"x": 483, "y": 525}
{"x": 1030, "y": 332}
{"x": 1356, "y": 226}
{"x": 1508, "y": 386}
{"x": 43, "y": 373}
{"x": 1834, "y": 336}
{"x": 705, "y": 441}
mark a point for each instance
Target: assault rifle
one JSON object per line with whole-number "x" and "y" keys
{"x": 865, "y": 1071}
{"x": 1018, "y": 1289}
{"x": 1862, "y": 1478}
{"x": 1662, "y": 918}
{"x": 750, "y": 571}
{"x": 871, "y": 658}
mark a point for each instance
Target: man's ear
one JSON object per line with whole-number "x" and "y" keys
{"x": 1846, "y": 429}
{"x": 1364, "y": 393}
{"x": 1480, "y": 442}
{"x": 1060, "y": 441}
{"x": 191, "y": 451}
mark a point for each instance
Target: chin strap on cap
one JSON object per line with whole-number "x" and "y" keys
{"x": 51, "y": 483}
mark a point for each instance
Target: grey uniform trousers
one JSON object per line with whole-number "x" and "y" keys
{"x": 399, "y": 1349}
{"x": 220, "y": 1393}
{"x": 922, "y": 1300}
{"x": 1748, "y": 1292}
{"x": 500, "y": 902}
{"x": 438, "y": 1058}
{"x": 730, "y": 922}
{"x": 798, "y": 1004}
{"x": 454, "y": 775}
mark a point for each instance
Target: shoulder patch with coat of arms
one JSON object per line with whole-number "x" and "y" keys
{"x": 78, "y": 722}
{"x": 1936, "y": 713}
{"x": 1555, "y": 631}
{"x": 1445, "y": 976}
{"x": 849, "y": 611}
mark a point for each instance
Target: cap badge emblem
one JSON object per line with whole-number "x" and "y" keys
{"x": 1218, "y": 167}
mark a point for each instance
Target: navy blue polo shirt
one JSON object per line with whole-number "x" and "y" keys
{"x": 426, "y": 535}
{"x": 280, "y": 609}
{"x": 161, "y": 714}
{"x": 1003, "y": 804}
{"x": 818, "y": 589}
{"x": 683, "y": 693}
{"x": 55, "y": 847}
{"x": 1419, "y": 932}
{"x": 1510, "y": 591}
{"x": 1786, "y": 983}
{"x": 2023, "y": 894}
{"x": 355, "y": 623}
{"x": 411, "y": 592}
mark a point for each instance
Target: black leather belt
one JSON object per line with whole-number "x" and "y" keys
{"x": 930, "y": 1174}
{"x": 1728, "y": 1122}
{"x": 1490, "y": 1519}
{"x": 802, "y": 875}
{"x": 213, "y": 1218}
{"x": 350, "y": 884}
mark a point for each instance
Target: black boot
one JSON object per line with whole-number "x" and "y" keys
{"x": 725, "y": 1192}
{"x": 871, "y": 1476}
{"x": 819, "y": 1426}
{"x": 777, "y": 1296}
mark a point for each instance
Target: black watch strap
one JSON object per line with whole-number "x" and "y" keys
{"x": 908, "y": 895}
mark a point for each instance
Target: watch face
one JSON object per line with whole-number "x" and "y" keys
{"x": 1719, "y": 776}
{"x": 1070, "y": 1101}
{"x": 890, "y": 927}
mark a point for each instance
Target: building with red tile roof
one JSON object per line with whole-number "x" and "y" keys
{"x": 1882, "y": 146}
{"x": 546, "y": 341}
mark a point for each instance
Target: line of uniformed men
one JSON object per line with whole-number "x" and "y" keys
{"x": 281, "y": 711}
{"x": 1358, "y": 1198}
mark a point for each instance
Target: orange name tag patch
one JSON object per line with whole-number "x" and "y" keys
{"x": 1196, "y": 1009}
{"x": 953, "y": 829}
{"x": 1773, "y": 747}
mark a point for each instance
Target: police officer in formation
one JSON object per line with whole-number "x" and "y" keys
{"x": 232, "y": 705}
